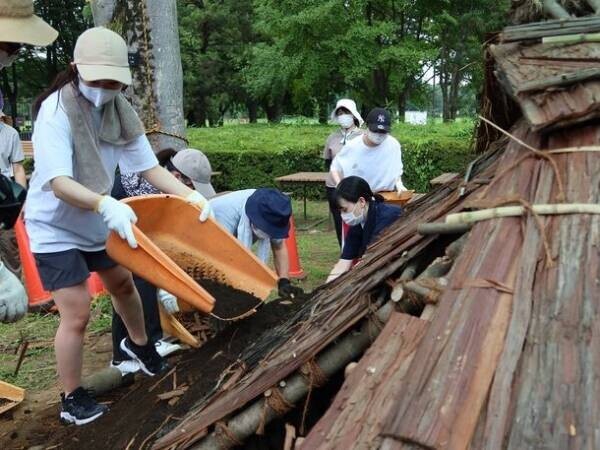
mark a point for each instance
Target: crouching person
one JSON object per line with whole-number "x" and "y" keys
{"x": 260, "y": 216}
{"x": 366, "y": 215}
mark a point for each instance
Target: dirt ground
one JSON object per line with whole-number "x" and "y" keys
{"x": 37, "y": 415}
{"x": 137, "y": 412}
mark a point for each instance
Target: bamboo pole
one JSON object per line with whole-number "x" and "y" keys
{"x": 516, "y": 211}
{"x": 245, "y": 423}
{"x": 572, "y": 38}
{"x": 555, "y": 10}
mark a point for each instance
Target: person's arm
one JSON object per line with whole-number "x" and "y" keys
{"x": 75, "y": 194}
{"x": 280, "y": 259}
{"x": 165, "y": 181}
{"x": 341, "y": 267}
{"x": 336, "y": 170}
{"x": 19, "y": 174}
{"x": 282, "y": 267}
{"x": 117, "y": 216}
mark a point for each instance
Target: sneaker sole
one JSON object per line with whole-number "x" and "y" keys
{"x": 136, "y": 358}
{"x": 69, "y": 419}
{"x": 172, "y": 349}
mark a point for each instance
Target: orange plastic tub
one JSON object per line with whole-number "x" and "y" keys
{"x": 174, "y": 246}
{"x": 394, "y": 198}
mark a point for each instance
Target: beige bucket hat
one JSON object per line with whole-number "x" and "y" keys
{"x": 101, "y": 54}
{"x": 18, "y": 24}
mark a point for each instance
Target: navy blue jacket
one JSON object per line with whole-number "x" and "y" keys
{"x": 379, "y": 217}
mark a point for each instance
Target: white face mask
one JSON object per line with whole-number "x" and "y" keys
{"x": 6, "y": 60}
{"x": 345, "y": 120}
{"x": 97, "y": 96}
{"x": 376, "y": 138}
{"x": 350, "y": 217}
{"x": 260, "y": 234}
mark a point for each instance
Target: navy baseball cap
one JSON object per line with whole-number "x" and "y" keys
{"x": 379, "y": 120}
{"x": 269, "y": 210}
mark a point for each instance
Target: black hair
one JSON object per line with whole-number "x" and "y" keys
{"x": 352, "y": 188}
{"x": 69, "y": 75}
{"x": 164, "y": 156}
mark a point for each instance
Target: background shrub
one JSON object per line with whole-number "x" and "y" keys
{"x": 253, "y": 155}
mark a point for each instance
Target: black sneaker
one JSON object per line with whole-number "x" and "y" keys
{"x": 80, "y": 408}
{"x": 150, "y": 361}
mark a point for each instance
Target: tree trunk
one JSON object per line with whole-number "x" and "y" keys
{"x": 151, "y": 32}
{"x": 252, "y": 111}
{"x": 10, "y": 93}
{"x": 273, "y": 111}
{"x": 323, "y": 116}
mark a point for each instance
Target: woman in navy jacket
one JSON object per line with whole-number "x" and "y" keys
{"x": 367, "y": 216}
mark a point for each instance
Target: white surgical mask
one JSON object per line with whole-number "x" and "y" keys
{"x": 6, "y": 59}
{"x": 376, "y": 138}
{"x": 351, "y": 218}
{"x": 97, "y": 96}
{"x": 260, "y": 234}
{"x": 345, "y": 120}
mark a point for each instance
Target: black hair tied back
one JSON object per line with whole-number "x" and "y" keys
{"x": 352, "y": 188}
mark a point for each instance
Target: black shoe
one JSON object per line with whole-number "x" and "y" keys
{"x": 80, "y": 408}
{"x": 150, "y": 361}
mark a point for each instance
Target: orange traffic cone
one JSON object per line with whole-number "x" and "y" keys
{"x": 38, "y": 297}
{"x": 95, "y": 285}
{"x": 292, "y": 248}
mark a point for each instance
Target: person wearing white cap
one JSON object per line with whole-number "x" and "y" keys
{"x": 18, "y": 26}
{"x": 348, "y": 118}
{"x": 84, "y": 128}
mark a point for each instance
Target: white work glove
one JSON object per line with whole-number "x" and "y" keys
{"x": 118, "y": 217}
{"x": 13, "y": 298}
{"x": 169, "y": 301}
{"x": 400, "y": 186}
{"x": 196, "y": 198}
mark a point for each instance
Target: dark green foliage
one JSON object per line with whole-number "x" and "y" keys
{"x": 250, "y": 156}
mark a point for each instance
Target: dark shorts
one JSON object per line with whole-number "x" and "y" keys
{"x": 71, "y": 267}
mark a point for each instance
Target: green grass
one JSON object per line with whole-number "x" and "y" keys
{"x": 279, "y": 137}
{"x": 317, "y": 245}
{"x": 38, "y": 370}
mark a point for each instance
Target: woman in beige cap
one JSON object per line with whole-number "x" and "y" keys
{"x": 18, "y": 26}
{"x": 84, "y": 128}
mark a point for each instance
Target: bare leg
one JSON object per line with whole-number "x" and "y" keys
{"x": 126, "y": 301}
{"x": 74, "y": 307}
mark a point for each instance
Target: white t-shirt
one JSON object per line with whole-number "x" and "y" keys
{"x": 11, "y": 151}
{"x": 230, "y": 209}
{"x": 52, "y": 224}
{"x": 380, "y": 166}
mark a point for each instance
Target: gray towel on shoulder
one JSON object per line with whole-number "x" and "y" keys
{"x": 120, "y": 125}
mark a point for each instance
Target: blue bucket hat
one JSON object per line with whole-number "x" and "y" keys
{"x": 269, "y": 210}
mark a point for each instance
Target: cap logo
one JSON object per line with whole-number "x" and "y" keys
{"x": 381, "y": 118}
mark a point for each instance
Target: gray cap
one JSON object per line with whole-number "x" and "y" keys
{"x": 195, "y": 165}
